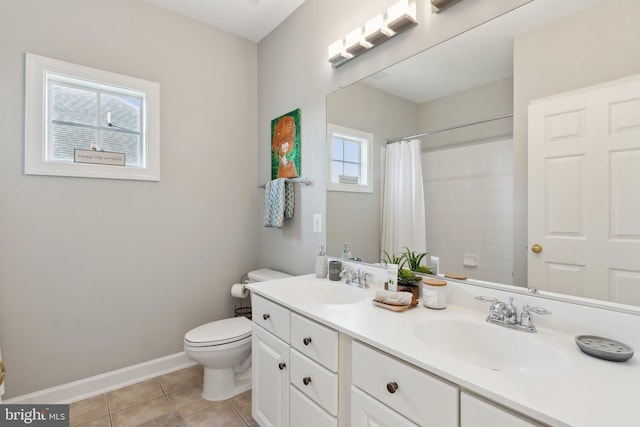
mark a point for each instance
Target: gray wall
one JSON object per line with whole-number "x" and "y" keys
{"x": 96, "y": 275}
{"x": 592, "y": 47}
{"x": 494, "y": 99}
{"x": 355, "y": 217}
{"x": 294, "y": 73}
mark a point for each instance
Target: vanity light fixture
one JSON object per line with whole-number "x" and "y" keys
{"x": 399, "y": 17}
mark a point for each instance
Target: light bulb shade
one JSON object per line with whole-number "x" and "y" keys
{"x": 337, "y": 54}
{"x": 376, "y": 31}
{"x": 439, "y": 5}
{"x": 402, "y": 15}
{"x": 355, "y": 43}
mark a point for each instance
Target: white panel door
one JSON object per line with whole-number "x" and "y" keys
{"x": 584, "y": 192}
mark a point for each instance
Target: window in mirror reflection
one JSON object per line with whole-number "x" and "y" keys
{"x": 349, "y": 159}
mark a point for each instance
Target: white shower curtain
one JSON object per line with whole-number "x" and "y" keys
{"x": 403, "y": 220}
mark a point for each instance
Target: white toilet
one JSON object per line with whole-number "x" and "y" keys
{"x": 223, "y": 347}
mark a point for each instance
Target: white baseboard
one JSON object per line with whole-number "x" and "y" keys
{"x": 103, "y": 383}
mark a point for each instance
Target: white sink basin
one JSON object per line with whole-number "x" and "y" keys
{"x": 493, "y": 347}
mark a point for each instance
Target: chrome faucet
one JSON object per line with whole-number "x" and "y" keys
{"x": 356, "y": 278}
{"x": 507, "y": 315}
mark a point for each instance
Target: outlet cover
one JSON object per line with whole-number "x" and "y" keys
{"x": 317, "y": 223}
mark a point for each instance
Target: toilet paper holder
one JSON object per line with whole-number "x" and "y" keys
{"x": 243, "y": 311}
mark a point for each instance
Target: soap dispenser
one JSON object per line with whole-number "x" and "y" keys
{"x": 346, "y": 253}
{"x": 322, "y": 264}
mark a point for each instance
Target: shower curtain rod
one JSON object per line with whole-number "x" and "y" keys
{"x": 391, "y": 141}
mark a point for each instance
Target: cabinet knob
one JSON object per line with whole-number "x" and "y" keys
{"x": 266, "y": 316}
{"x": 392, "y": 387}
{"x": 306, "y": 380}
{"x": 306, "y": 341}
{"x": 282, "y": 365}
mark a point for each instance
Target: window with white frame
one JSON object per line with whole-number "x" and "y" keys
{"x": 86, "y": 122}
{"x": 350, "y": 153}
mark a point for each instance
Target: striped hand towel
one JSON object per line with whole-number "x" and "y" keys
{"x": 278, "y": 202}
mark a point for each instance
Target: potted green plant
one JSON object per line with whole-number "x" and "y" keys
{"x": 414, "y": 259}
{"x": 394, "y": 259}
{"x": 408, "y": 281}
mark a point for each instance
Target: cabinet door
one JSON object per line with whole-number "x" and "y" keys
{"x": 270, "y": 379}
{"x": 476, "y": 412}
{"x": 368, "y": 412}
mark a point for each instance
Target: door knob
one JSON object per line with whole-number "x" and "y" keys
{"x": 282, "y": 365}
{"x": 392, "y": 387}
{"x": 536, "y": 249}
{"x": 306, "y": 380}
{"x": 306, "y": 341}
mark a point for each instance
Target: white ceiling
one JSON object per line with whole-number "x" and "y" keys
{"x": 249, "y": 19}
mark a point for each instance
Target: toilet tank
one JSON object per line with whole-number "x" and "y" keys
{"x": 264, "y": 274}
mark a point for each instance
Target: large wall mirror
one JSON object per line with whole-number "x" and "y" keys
{"x": 471, "y": 94}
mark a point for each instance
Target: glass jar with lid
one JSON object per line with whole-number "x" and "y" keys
{"x": 434, "y": 293}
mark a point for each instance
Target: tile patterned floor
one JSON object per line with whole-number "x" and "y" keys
{"x": 177, "y": 391}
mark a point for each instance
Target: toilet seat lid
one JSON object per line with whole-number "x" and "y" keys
{"x": 220, "y": 332}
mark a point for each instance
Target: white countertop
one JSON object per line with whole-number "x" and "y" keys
{"x": 589, "y": 392}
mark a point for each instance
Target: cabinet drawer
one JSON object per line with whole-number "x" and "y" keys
{"x": 315, "y": 340}
{"x": 417, "y": 395}
{"x": 321, "y": 384}
{"x": 368, "y": 412}
{"x": 271, "y": 316}
{"x": 477, "y": 412}
{"x": 306, "y": 413}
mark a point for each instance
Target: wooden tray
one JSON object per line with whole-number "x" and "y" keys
{"x": 393, "y": 307}
{"x": 456, "y": 276}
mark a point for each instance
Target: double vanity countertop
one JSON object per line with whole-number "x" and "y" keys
{"x": 542, "y": 375}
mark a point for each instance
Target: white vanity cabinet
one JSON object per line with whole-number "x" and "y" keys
{"x": 411, "y": 393}
{"x": 477, "y": 412}
{"x": 295, "y": 368}
{"x": 354, "y": 364}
